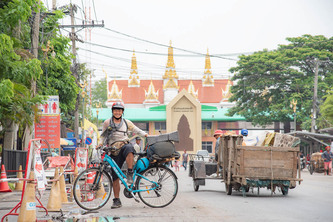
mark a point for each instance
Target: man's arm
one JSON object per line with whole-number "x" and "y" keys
{"x": 135, "y": 129}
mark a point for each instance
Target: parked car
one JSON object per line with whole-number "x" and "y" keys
{"x": 204, "y": 155}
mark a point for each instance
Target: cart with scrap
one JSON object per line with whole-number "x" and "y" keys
{"x": 316, "y": 163}
{"x": 246, "y": 167}
{"x": 200, "y": 169}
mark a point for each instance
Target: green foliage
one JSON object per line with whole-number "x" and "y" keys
{"x": 327, "y": 108}
{"x": 99, "y": 93}
{"x": 267, "y": 81}
{"x": 13, "y": 12}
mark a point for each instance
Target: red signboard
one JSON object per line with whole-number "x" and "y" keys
{"x": 49, "y": 129}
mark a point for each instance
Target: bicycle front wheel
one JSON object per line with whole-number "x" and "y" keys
{"x": 92, "y": 189}
{"x": 163, "y": 193}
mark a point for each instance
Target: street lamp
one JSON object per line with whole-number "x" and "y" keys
{"x": 293, "y": 104}
{"x": 98, "y": 105}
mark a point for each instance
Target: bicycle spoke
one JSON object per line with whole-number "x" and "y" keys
{"x": 164, "y": 192}
{"x": 90, "y": 195}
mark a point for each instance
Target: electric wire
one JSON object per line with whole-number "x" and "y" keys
{"x": 159, "y": 44}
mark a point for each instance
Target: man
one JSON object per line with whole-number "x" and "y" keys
{"x": 137, "y": 144}
{"x": 217, "y": 135}
{"x": 327, "y": 156}
{"x": 116, "y": 129}
{"x": 185, "y": 159}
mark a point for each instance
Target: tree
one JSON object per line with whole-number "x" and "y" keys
{"x": 267, "y": 81}
{"x": 327, "y": 110}
{"x": 99, "y": 93}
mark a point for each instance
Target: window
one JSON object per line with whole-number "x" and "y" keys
{"x": 142, "y": 125}
{"x": 206, "y": 125}
{"x": 160, "y": 125}
{"x": 207, "y": 146}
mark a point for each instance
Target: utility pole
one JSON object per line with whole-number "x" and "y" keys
{"x": 54, "y": 5}
{"x": 74, "y": 71}
{"x": 74, "y": 37}
{"x": 314, "y": 102}
{"x": 34, "y": 41}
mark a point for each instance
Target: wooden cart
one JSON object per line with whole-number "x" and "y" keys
{"x": 316, "y": 163}
{"x": 245, "y": 167}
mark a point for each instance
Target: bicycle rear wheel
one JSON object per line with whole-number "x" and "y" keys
{"x": 92, "y": 189}
{"x": 166, "y": 190}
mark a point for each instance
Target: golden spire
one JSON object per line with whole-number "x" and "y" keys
{"x": 226, "y": 94}
{"x": 151, "y": 95}
{"x": 191, "y": 90}
{"x": 207, "y": 79}
{"x": 170, "y": 71}
{"x": 115, "y": 94}
{"x": 134, "y": 80}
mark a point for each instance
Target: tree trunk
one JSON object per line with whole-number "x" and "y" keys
{"x": 286, "y": 127}
{"x": 277, "y": 127}
{"x": 9, "y": 139}
{"x": 34, "y": 49}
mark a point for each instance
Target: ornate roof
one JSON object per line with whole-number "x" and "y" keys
{"x": 226, "y": 94}
{"x": 191, "y": 90}
{"x": 114, "y": 94}
{"x": 207, "y": 79}
{"x": 151, "y": 96}
{"x": 170, "y": 71}
{"x": 134, "y": 80}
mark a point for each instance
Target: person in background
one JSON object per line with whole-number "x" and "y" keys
{"x": 176, "y": 165}
{"x": 137, "y": 144}
{"x": 185, "y": 159}
{"x": 217, "y": 135}
{"x": 327, "y": 156}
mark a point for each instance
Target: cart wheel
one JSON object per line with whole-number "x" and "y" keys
{"x": 195, "y": 187}
{"x": 311, "y": 169}
{"x": 228, "y": 189}
{"x": 285, "y": 190}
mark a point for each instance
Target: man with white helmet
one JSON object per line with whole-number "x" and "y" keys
{"x": 116, "y": 129}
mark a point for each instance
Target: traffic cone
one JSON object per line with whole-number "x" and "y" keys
{"x": 28, "y": 205}
{"x": 78, "y": 193}
{"x": 63, "y": 186}
{"x": 19, "y": 184}
{"x": 101, "y": 191}
{"x": 90, "y": 177}
{"x": 54, "y": 203}
{"x": 4, "y": 185}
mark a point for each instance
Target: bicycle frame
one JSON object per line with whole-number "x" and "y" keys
{"x": 122, "y": 176}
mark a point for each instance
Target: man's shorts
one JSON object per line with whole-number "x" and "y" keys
{"x": 328, "y": 165}
{"x": 120, "y": 159}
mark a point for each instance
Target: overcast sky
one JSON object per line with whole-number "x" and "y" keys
{"x": 226, "y": 28}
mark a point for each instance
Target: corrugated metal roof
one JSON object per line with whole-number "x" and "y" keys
{"x": 159, "y": 114}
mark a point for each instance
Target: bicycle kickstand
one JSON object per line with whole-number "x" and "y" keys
{"x": 135, "y": 198}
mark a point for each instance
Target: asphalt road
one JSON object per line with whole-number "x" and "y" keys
{"x": 310, "y": 201}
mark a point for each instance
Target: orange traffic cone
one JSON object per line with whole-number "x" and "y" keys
{"x": 19, "y": 184}
{"x": 63, "y": 186}
{"x": 28, "y": 206}
{"x": 4, "y": 185}
{"x": 90, "y": 177}
{"x": 54, "y": 203}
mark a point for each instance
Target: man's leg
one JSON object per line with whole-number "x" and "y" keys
{"x": 128, "y": 154}
{"x": 116, "y": 188}
{"x": 130, "y": 160}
